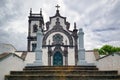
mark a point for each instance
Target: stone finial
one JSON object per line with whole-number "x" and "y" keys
{"x": 30, "y": 11}
{"x": 80, "y": 30}
{"x": 74, "y": 25}
{"x": 40, "y": 11}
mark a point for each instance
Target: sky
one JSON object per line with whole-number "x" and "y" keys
{"x": 100, "y": 20}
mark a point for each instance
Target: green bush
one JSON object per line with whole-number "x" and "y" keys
{"x": 107, "y": 49}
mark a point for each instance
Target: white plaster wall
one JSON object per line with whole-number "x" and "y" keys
{"x": 19, "y": 53}
{"x": 12, "y": 63}
{"x": 71, "y": 56}
{"x": 109, "y": 63}
{"x": 90, "y": 57}
{"x": 30, "y": 58}
{"x": 45, "y": 56}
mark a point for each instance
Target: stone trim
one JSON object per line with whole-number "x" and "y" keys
{"x": 58, "y": 48}
{"x": 118, "y": 53}
{"x": 66, "y": 55}
{"x": 58, "y": 15}
{"x": 75, "y": 36}
{"x": 57, "y": 28}
{"x": 29, "y": 31}
{"x": 24, "y": 54}
{"x": 49, "y": 56}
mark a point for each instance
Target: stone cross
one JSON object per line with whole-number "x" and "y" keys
{"x": 57, "y": 6}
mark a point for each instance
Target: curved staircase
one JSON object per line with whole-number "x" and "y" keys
{"x": 62, "y": 73}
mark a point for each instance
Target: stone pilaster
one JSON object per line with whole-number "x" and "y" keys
{"x": 66, "y": 55}
{"x": 49, "y": 56}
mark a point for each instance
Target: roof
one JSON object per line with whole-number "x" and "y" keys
{"x": 118, "y": 53}
{"x": 8, "y": 48}
{"x": 3, "y": 55}
{"x": 6, "y": 55}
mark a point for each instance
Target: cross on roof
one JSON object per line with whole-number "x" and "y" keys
{"x": 57, "y": 6}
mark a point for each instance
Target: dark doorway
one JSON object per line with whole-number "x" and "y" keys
{"x": 57, "y": 59}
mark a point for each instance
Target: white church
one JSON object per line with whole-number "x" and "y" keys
{"x": 59, "y": 45}
{"x": 53, "y": 44}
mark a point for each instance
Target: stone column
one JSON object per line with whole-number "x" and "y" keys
{"x": 81, "y": 51}
{"x": 38, "y": 51}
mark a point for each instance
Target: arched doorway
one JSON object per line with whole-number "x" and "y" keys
{"x": 57, "y": 59}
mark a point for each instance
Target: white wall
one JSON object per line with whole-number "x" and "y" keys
{"x": 30, "y": 58}
{"x": 45, "y": 56}
{"x": 71, "y": 56}
{"x": 109, "y": 63}
{"x": 11, "y": 63}
{"x": 18, "y": 53}
{"x": 90, "y": 57}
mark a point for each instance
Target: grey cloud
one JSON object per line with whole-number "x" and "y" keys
{"x": 103, "y": 20}
{"x": 10, "y": 9}
{"x": 17, "y": 39}
{"x": 100, "y": 19}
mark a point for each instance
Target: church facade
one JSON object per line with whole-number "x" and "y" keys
{"x": 59, "y": 44}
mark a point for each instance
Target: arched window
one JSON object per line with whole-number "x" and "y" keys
{"x": 58, "y": 39}
{"x": 35, "y": 28}
{"x": 33, "y": 46}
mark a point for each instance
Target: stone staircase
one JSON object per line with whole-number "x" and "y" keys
{"x": 62, "y": 73}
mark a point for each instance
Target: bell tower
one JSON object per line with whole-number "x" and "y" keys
{"x": 35, "y": 21}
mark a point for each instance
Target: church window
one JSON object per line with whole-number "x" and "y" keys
{"x": 35, "y": 28}
{"x": 58, "y": 39}
{"x": 33, "y": 46}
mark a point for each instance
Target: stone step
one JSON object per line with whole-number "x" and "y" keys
{"x": 61, "y": 77}
{"x": 60, "y": 68}
{"x": 63, "y": 72}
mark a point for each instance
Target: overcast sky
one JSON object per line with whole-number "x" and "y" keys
{"x": 100, "y": 19}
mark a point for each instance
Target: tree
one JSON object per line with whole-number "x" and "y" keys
{"x": 107, "y": 49}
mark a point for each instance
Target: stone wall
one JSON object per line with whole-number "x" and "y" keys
{"x": 11, "y": 63}
{"x": 111, "y": 62}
